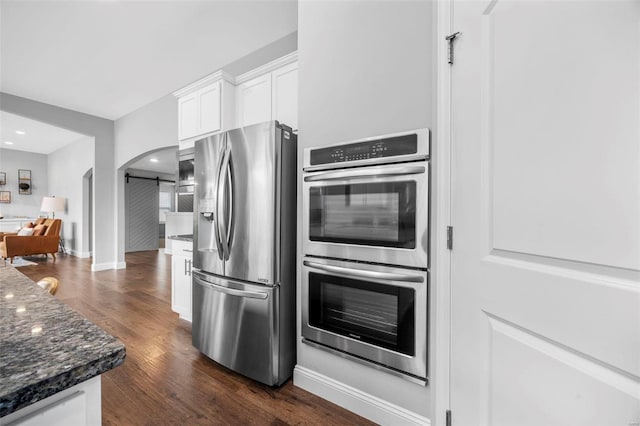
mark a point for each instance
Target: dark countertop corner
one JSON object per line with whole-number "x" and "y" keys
{"x": 45, "y": 346}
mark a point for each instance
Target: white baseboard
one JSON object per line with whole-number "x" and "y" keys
{"x": 361, "y": 403}
{"x": 106, "y": 266}
{"x": 81, "y": 254}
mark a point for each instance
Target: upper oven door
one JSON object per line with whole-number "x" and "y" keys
{"x": 374, "y": 214}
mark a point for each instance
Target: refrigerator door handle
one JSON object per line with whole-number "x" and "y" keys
{"x": 359, "y": 273}
{"x": 232, "y": 291}
{"x": 221, "y": 177}
{"x": 229, "y": 219}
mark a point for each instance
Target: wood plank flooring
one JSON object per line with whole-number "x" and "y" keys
{"x": 164, "y": 379}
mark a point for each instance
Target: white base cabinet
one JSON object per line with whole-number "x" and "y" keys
{"x": 181, "y": 262}
{"x": 79, "y": 405}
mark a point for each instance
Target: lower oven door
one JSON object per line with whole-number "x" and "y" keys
{"x": 372, "y": 312}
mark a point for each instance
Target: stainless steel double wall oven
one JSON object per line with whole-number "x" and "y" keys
{"x": 366, "y": 251}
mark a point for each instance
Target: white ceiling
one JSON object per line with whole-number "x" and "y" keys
{"x": 167, "y": 161}
{"x": 109, "y": 58}
{"x": 38, "y": 137}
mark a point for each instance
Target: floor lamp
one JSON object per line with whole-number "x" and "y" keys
{"x": 53, "y": 205}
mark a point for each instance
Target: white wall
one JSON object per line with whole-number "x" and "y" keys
{"x": 67, "y": 168}
{"x": 23, "y": 205}
{"x": 365, "y": 69}
{"x": 151, "y": 127}
{"x": 264, "y": 55}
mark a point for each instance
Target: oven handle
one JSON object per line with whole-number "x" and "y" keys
{"x": 367, "y": 172}
{"x": 359, "y": 273}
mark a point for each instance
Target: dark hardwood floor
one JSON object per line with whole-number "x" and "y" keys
{"x": 164, "y": 380}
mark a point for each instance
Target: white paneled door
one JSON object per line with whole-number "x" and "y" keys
{"x": 546, "y": 213}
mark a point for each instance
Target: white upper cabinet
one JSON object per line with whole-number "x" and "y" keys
{"x": 206, "y": 106}
{"x": 209, "y": 102}
{"x": 254, "y": 101}
{"x": 284, "y": 103}
{"x": 221, "y": 102}
{"x": 188, "y": 113}
{"x": 268, "y": 93}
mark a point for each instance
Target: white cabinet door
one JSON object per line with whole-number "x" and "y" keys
{"x": 181, "y": 286}
{"x": 71, "y": 411}
{"x": 545, "y": 294}
{"x": 209, "y": 108}
{"x": 199, "y": 112}
{"x": 284, "y": 101}
{"x": 188, "y": 116}
{"x": 79, "y": 405}
{"x": 254, "y": 101}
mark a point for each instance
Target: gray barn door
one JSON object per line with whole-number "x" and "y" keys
{"x": 141, "y": 215}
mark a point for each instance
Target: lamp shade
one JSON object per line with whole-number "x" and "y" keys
{"x": 52, "y": 204}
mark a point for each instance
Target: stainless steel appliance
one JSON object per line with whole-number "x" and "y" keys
{"x": 244, "y": 250}
{"x": 365, "y": 277}
{"x": 375, "y": 312}
{"x": 186, "y": 180}
{"x": 369, "y": 200}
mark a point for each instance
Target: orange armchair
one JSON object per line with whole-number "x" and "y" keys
{"x": 17, "y": 245}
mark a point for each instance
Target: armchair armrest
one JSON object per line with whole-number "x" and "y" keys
{"x": 16, "y": 245}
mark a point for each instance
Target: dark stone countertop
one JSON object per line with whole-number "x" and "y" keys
{"x": 185, "y": 237}
{"x": 45, "y": 346}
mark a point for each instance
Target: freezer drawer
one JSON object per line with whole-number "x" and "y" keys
{"x": 235, "y": 324}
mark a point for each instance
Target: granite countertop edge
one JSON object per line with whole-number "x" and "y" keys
{"x": 35, "y": 392}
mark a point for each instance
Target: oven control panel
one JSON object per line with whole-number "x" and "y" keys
{"x": 377, "y": 148}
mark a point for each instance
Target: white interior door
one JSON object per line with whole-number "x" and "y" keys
{"x": 546, "y": 213}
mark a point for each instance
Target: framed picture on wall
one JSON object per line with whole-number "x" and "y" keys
{"x": 3, "y": 178}
{"x": 5, "y": 196}
{"x": 24, "y": 182}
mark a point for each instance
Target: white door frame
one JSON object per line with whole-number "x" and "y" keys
{"x": 441, "y": 209}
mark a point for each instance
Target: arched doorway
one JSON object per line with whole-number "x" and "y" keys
{"x": 148, "y": 188}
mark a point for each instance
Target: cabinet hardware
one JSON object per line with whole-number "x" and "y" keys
{"x": 450, "y": 38}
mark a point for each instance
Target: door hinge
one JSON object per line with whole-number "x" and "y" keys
{"x": 448, "y": 418}
{"x": 450, "y": 38}
{"x": 450, "y": 237}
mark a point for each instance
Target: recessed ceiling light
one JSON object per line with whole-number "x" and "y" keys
{"x": 153, "y": 160}
{"x": 20, "y": 132}
{"x": 8, "y": 143}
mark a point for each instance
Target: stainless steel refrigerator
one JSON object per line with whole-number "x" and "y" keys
{"x": 244, "y": 250}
